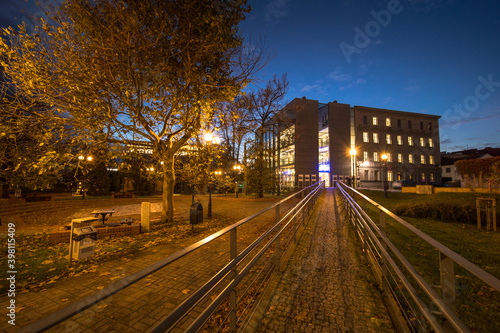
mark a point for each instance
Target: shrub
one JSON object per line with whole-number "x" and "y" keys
{"x": 446, "y": 212}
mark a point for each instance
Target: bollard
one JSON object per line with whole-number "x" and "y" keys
{"x": 145, "y": 217}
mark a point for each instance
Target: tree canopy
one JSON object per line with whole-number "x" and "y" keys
{"x": 117, "y": 70}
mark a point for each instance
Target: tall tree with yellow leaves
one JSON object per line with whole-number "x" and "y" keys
{"x": 117, "y": 70}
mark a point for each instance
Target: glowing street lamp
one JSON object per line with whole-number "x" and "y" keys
{"x": 238, "y": 169}
{"x": 353, "y": 170}
{"x": 209, "y": 139}
{"x": 384, "y": 159}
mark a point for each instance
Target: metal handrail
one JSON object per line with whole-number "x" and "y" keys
{"x": 472, "y": 268}
{"x": 189, "y": 303}
{"x": 369, "y": 225}
{"x": 428, "y": 289}
{"x": 59, "y": 316}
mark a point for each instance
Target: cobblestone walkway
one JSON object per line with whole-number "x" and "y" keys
{"x": 141, "y": 306}
{"x": 326, "y": 286}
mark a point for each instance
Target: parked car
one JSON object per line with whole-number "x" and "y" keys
{"x": 397, "y": 185}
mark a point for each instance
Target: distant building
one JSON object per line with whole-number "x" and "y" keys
{"x": 448, "y": 170}
{"x": 317, "y": 139}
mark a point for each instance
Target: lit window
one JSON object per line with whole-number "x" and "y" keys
{"x": 400, "y": 158}
{"x": 375, "y": 137}
{"x": 389, "y": 176}
{"x": 365, "y": 156}
{"x": 388, "y": 122}
{"x": 365, "y": 137}
{"x": 388, "y": 139}
{"x": 410, "y": 158}
{"x": 431, "y": 143}
{"x": 431, "y": 177}
{"x": 400, "y": 140}
{"x": 422, "y": 159}
{"x": 423, "y": 177}
{"x": 375, "y": 121}
{"x": 389, "y": 157}
{"x": 375, "y": 156}
{"x": 431, "y": 159}
{"x": 410, "y": 141}
{"x": 422, "y": 142}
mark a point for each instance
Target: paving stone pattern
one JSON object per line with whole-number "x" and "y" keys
{"x": 326, "y": 287}
{"x": 141, "y": 306}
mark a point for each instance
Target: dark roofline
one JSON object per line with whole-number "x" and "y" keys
{"x": 397, "y": 111}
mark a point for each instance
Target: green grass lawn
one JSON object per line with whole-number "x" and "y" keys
{"x": 478, "y": 305}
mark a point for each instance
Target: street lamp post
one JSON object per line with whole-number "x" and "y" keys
{"x": 353, "y": 169}
{"x": 237, "y": 168}
{"x": 209, "y": 139}
{"x": 384, "y": 159}
{"x": 83, "y": 160}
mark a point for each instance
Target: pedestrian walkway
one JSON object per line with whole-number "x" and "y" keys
{"x": 327, "y": 285}
{"x": 325, "y": 288}
{"x": 141, "y": 306}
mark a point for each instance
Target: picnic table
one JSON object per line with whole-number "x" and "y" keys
{"x": 103, "y": 213}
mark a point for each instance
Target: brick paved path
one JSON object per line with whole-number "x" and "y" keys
{"x": 143, "y": 305}
{"x": 326, "y": 286}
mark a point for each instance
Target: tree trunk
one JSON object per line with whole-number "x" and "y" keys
{"x": 167, "y": 205}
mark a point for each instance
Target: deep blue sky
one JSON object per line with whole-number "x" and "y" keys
{"x": 428, "y": 56}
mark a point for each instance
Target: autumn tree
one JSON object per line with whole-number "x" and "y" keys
{"x": 264, "y": 105}
{"x": 198, "y": 162}
{"x": 234, "y": 122}
{"x": 114, "y": 70}
{"x": 33, "y": 154}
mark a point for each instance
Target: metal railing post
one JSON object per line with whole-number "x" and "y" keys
{"x": 233, "y": 252}
{"x": 382, "y": 223}
{"x": 383, "y": 230}
{"x": 277, "y": 213}
{"x": 447, "y": 278}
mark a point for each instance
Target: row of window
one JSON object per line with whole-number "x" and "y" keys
{"x": 391, "y": 177}
{"x": 388, "y": 123}
{"x": 399, "y": 139}
{"x": 412, "y": 158}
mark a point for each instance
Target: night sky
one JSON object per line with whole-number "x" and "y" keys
{"x": 439, "y": 57}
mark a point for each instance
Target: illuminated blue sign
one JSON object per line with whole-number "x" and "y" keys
{"x": 324, "y": 167}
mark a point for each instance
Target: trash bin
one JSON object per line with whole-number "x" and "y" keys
{"x": 196, "y": 213}
{"x": 84, "y": 242}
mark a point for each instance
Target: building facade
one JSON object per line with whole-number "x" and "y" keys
{"x": 335, "y": 141}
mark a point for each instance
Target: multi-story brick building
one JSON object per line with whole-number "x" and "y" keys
{"x": 335, "y": 140}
